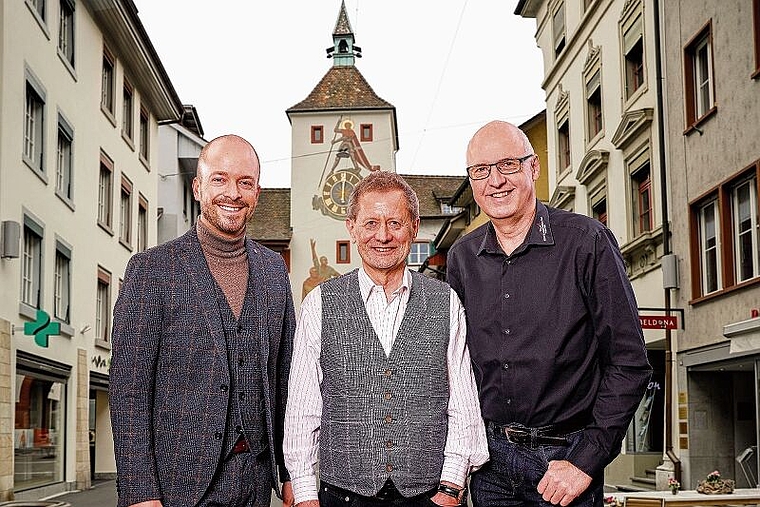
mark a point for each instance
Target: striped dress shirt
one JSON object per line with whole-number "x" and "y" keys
{"x": 466, "y": 445}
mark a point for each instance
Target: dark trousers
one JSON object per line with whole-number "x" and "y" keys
{"x": 333, "y": 496}
{"x": 512, "y": 475}
{"x": 242, "y": 480}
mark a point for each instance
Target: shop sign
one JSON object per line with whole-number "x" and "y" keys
{"x": 661, "y": 322}
{"x": 42, "y": 328}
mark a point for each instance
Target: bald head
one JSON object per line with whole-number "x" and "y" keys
{"x": 224, "y": 149}
{"x": 493, "y": 140}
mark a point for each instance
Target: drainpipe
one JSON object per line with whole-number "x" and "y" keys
{"x": 669, "y": 376}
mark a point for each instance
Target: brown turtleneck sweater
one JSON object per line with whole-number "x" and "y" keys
{"x": 228, "y": 262}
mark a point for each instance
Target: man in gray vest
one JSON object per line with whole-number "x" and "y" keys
{"x": 381, "y": 388}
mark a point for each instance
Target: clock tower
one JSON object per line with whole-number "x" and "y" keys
{"x": 341, "y": 132}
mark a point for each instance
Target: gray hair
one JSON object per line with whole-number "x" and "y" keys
{"x": 383, "y": 181}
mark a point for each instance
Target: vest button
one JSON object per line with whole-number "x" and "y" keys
{"x": 241, "y": 396}
{"x": 388, "y": 396}
{"x": 224, "y": 388}
{"x": 218, "y": 435}
{"x": 389, "y": 468}
{"x": 240, "y": 361}
{"x": 388, "y": 418}
{"x": 239, "y": 429}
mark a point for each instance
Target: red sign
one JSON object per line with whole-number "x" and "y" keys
{"x": 662, "y": 322}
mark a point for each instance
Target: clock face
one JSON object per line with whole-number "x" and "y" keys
{"x": 338, "y": 186}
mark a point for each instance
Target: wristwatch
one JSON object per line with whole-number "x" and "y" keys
{"x": 449, "y": 491}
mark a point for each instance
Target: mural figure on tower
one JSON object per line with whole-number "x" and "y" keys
{"x": 336, "y": 185}
{"x": 319, "y": 272}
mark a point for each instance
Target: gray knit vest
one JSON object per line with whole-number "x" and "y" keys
{"x": 383, "y": 416}
{"x": 245, "y": 414}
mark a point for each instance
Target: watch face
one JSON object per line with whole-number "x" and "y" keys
{"x": 338, "y": 186}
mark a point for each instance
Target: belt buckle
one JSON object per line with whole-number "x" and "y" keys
{"x": 517, "y": 435}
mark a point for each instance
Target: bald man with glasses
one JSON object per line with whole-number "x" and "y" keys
{"x": 553, "y": 332}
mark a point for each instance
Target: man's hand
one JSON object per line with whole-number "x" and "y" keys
{"x": 287, "y": 494}
{"x": 308, "y": 503}
{"x": 149, "y": 503}
{"x": 444, "y": 500}
{"x": 562, "y": 483}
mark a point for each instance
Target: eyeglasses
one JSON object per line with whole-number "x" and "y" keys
{"x": 504, "y": 166}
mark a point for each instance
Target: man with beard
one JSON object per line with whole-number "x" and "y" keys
{"x": 202, "y": 340}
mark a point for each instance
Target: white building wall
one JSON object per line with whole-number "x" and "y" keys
{"x": 311, "y": 163}
{"x": 29, "y": 48}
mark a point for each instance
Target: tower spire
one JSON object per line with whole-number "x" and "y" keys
{"x": 343, "y": 50}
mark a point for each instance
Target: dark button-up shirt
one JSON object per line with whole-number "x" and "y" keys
{"x": 553, "y": 330}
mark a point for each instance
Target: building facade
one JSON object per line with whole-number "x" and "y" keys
{"x": 604, "y": 161}
{"x": 711, "y": 54}
{"x": 82, "y": 92}
{"x": 179, "y": 145}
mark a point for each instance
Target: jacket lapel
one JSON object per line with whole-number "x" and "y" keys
{"x": 194, "y": 262}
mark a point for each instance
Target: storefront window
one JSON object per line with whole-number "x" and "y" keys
{"x": 39, "y": 431}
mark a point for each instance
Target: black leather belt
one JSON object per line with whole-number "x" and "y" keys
{"x": 388, "y": 493}
{"x": 553, "y": 434}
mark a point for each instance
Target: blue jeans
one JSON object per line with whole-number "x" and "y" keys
{"x": 513, "y": 474}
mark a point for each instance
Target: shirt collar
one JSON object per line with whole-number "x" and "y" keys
{"x": 540, "y": 233}
{"x": 367, "y": 286}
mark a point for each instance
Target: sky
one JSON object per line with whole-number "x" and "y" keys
{"x": 448, "y": 68}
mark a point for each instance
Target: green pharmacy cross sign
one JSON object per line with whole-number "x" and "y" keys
{"x": 42, "y": 328}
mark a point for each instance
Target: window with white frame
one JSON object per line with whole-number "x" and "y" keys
{"x": 594, "y": 105}
{"x": 39, "y": 7}
{"x": 66, "y": 31}
{"x": 558, "y": 28}
{"x": 418, "y": 253}
{"x": 632, "y": 35}
{"x": 144, "y": 136}
{"x": 563, "y": 137}
{"x": 641, "y": 187}
{"x": 700, "y": 98}
{"x": 103, "y": 306}
{"x": 34, "y": 126}
{"x": 725, "y": 244}
{"x": 745, "y": 224}
{"x": 599, "y": 208}
{"x": 64, "y": 159}
{"x": 62, "y": 283}
{"x": 709, "y": 247}
{"x": 125, "y": 212}
{"x": 31, "y": 264}
{"x": 108, "y": 80}
{"x": 128, "y": 112}
{"x": 105, "y": 191}
{"x": 142, "y": 224}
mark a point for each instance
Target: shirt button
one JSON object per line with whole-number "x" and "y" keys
{"x": 387, "y": 373}
{"x": 224, "y": 388}
{"x": 507, "y": 331}
{"x": 388, "y": 396}
{"x": 506, "y": 366}
{"x": 389, "y": 468}
{"x": 506, "y": 296}
{"x": 389, "y": 444}
{"x": 509, "y": 401}
{"x": 388, "y": 418}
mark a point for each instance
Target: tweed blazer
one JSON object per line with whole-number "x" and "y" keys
{"x": 169, "y": 373}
